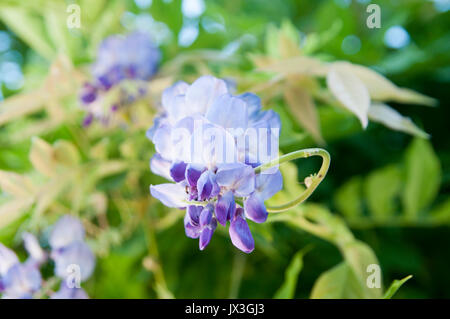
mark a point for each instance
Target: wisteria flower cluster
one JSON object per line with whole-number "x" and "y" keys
{"x": 73, "y": 259}
{"x": 123, "y": 65}
{"x": 208, "y": 143}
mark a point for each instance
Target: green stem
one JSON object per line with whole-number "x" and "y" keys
{"x": 315, "y": 180}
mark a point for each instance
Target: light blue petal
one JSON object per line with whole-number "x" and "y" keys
{"x": 67, "y": 230}
{"x": 171, "y": 195}
{"x": 268, "y": 185}
{"x": 229, "y": 112}
{"x": 73, "y": 258}
{"x": 238, "y": 177}
{"x": 202, "y": 93}
{"x": 160, "y": 166}
{"x": 65, "y": 292}
{"x": 7, "y": 259}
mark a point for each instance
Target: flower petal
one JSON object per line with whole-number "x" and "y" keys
{"x": 177, "y": 171}
{"x": 201, "y": 94}
{"x": 67, "y": 230}
{"x": 193, "y": 173}
{"x": 240, "y": 235}
{"x": 207, "y": 186}
{"x": 7, "y": 259}
{"x": 253, "y": 103}
{"x": 225, "y": 208}
{"x": 206, "y": 216}
{"x": 65, "y": 292}
{"x": 76, "y": 254}
{"x": 238, "y": 177}
{"x": 191, "y": 230}
{"x": 268, "y": 185}
{"x": 160, "y": 166}
{"x": 171, "y": 195}
{"x": 255, "y": 209}
{"x": 33, "y": 248}
{"x": 229, "y": 112}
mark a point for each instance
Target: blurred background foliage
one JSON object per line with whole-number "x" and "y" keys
{"x": 386, "y": 189}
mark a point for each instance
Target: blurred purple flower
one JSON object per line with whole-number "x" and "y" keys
{"x": 69, "y": 248}
{"x": 210, "y": 180}
{"x": 66, "y": 292}
{"x": 134, "y": 59}
{"x": 17, "y": 280}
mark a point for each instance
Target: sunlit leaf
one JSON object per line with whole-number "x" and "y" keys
{"x": 15, "y": 184}
{"x": 297, "y": 65}
{"x": 349, "y": 91}
{"x": 381, "y": 89}
{"x": 42, "y": 157}
{"x": 13, "y": 209}
{"x": 301, "y": 105}
{"x": 384, "y": 114}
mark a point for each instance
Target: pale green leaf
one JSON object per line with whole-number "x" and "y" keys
{"x": 15, "y": 184}
{"x": 350, "y": 91}
{"x": 381, "y": 89}
{"x": 13, "y": 209}
{"x": 42, "y": 157}
{"x": 384, "y": 114}
{"x": 301, "y": 105}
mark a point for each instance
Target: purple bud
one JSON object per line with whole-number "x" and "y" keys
{"x": 240, "y": 234}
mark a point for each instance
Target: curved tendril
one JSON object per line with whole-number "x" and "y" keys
{"x": 315, "y": 179}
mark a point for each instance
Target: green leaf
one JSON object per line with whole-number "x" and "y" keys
{"x": 339, "y": 282}
{"x": 349, "y": 278}
{"x": 287, "y": 289}
{"x": 381, "y": 188}
{"x": 29, "y": 28}
{"x": 396, "y": 284}
{"x": 359, "y": 256}
{"x": 423, "y": 177}
{"x": 348, "y": 198}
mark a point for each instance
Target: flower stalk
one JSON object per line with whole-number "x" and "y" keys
{"x": 316, "y": 179}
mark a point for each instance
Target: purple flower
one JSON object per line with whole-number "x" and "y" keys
{"x": 65, "y": 292}
{"x": 208, "y": 143}
{"x": 123, "y": 65}
{"x": 69, "y": 251}
{"x": 17, "y": 280}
